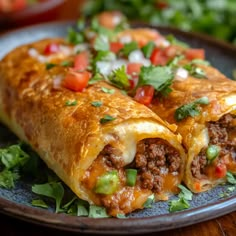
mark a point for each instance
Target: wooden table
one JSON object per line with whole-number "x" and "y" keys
{"x": 222, "y": 226}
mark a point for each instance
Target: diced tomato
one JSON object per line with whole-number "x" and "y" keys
{"x": 76, "y": 81}
{"x": 133, "y": 82}
{"x": 158, "y": 57}
{"x": 171, "y": 51}
{"x": 161, "y": 4}
{"x": 133, "y": 68}
{"x": 116, "y": 46}
{"x": 144, "y": 94}
{"x": 197, "y": 186}
{"x": 110, "y": 19}
{"x": 8, "y": 6}
{"x": 195, "y": 53}
{"x": 81, "y": 61}
{"x": 51, "y": 48}
{"x": 220, "y": 170}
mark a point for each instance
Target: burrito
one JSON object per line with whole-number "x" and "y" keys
{"x": 204, "y": 109}
{"x": 110, "y": 150}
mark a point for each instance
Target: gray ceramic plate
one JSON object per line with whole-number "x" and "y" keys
{"x": 16, "y": 203}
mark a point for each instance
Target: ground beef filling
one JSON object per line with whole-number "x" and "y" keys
{"x": 221, "y": 133}
{"x": 155, "y": 158}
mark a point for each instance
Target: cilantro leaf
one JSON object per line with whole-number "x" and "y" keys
{"x": 185, "y": 193}
{"x": 74, "y": 37}
{"x": 97, "y": 212}
{"x": 150, "y": 200}
{"x": 96, "y": 103}
{"x": 121, "y": 216}
{"x": 7, "y": 178}
{"x": 200, "y": 61}
{"x": 13, "y": 156}
{"x": 148, "y": 49}
{"x": 53, "y": 190}
{"x": 101, "y": 43}
{"x": 160, "y": 77}
{"x": 129, "y": 47}
{"x": 66, "y": 63}
{"x": 195, "y": 71}
{"x": 39, "y": 203}
{"x": 71, "y": 103}
{"x": 178, "y": 205}
{"x": 119, "y": 78}
{"x": 190, "y": 109}
{"x": 50, "y": 65}
{"x": 104, "y": 56}
{"x": 107, "y": 90}
{"x": 171, "y": 38}
{"x": 230, "y": 178}
{"x": 97, "y": 77}
{"x": 106, "y": 119}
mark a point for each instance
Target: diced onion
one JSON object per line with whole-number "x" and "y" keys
{"x": 181, "y": 74}
{"x": 80, "y": 47}
{"x": 33, "y": 52}
{"x": 125, "y": 39}
{"x": 65, "y": 50}
{"x": 57, "y": 81}
{"x": 136, "y": 56}
{"x": 104, "y": 67}
{"x": 117, "y": 64}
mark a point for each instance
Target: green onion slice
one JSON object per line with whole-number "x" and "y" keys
{"x": 212, "y": 152}
{"x": 131, "y": 176}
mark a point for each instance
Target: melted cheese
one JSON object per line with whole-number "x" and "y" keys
{"x": 130, "y": 133}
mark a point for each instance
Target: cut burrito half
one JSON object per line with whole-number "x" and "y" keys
{"x": 204, "y": 109}
{"x": 109, "y": 149}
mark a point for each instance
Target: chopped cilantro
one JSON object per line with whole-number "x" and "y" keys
{"x": 129, "y": 47}
{"x": 101, "y": 43}
{"x": 74, "y": 37}
{"x": 66, "y": 63}
{"x": 190, "y": 109}
{"x": 195, "y": 71}
{"x": 39, "y": 203}
{"x": 174, "y": 62}
{"x": 171, "y": 38}
{"x": 119, "y": 78}
{"x": 200, "y": 62}
{"x": 178, "y": 205}
{"x": 230, "y": 178}
{"x": 185, "y": 193}
{"x": 82, "y": 208}
{"x": 49, "y": 66}
{"x": 107, "y": 90}
{"x": 13, "y": 156}
{"x": 105, "y": 56}
{"x": 97, "y": 212}
{"x": 121, "y": 216}
{"x": 97, "y": 77}
{"x": 52, "y": 190}
{"x": 96, "y": 103}
{"x": 148, "y": 49}
{"x": 80, "y": 24}
{"x": 71, "y": 103}
{"x": 106, "y": 119}
{"x": 8, "y": 178}
{"x": 150, "y": 200}
{"x": 160, "y": 77}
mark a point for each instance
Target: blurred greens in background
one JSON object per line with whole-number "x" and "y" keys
{"x": 214, "y": 17}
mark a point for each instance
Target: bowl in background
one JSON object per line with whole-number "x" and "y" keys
{"x": 40, "y": 11}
